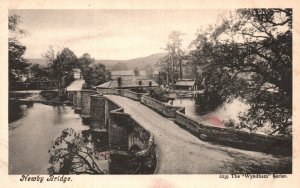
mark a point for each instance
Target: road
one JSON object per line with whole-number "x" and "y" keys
{"x": 179, "y": 152}
{"x": 76, "y": 85}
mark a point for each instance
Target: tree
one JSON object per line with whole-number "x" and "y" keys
{"x": 61, "y": 64}
{"x": 71, "y": 154}
{"x": 93, "y": 73}
{"x": 17, "y": 63}
{"x": 175, "y": 53}
{"x": 38, "y": 72}
{"x": 85, "y": 61}
{"x": 165, "y": 66}
{"x": 249, "y": 56}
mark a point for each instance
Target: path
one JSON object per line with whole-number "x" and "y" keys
{"x": 75, "y": 85}
{"x": 179, "y": 152}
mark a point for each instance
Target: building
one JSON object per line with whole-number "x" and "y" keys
{"x": 185, "y": 85}
{"x": 128, "y": 79}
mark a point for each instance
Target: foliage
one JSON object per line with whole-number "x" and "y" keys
{"x": 39, "y": 73}
{"x": 70, "y": 154}
{"x": 84, "y": 61}
{"x": 158, "y": 94}
{"x": 61, "y": 64}
{"x": 173, "y": 60}
{"x": 93, "y": 73}
{"x": 249, "y": 55}
{"x": 17, "y": 63}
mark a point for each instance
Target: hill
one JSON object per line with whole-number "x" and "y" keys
{"x": 38, "y": 61}
{"x": 142, "y": 63}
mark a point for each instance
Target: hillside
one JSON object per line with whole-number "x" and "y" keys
{"x": 141, "y": 63}
{"x": 38, "y": 61}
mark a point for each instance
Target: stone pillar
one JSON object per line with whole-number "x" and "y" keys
{"x": 85, "y": 103}
{"x": 77, "y": 102}
{"x": 98, "y": 113}
{"x": 70, "y": 95}
{"x": 118, "y": 138}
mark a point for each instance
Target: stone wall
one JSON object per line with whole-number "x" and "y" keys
{"x": 125, "y": 132}
{"x": 77, "y": 101}
{"x": 98, "y": 113}
{"x": 71, "y": 95}
{"x": 132, "y": 95}
{"x": 162, "y": 108}
{"x": 105, "y": 91}
{"x": 234, "y": 138}
{"x": 86, "y": 102}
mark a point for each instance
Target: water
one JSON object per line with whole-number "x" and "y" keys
{"x": 34, "y": 129}
{"x": 32, "y": 132}
{"x": 218, "y": 116}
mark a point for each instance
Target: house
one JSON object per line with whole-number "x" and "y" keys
{"x": 127, "y": 79}
{"x": 185, "y": 85}
{"x": 129, "y": 74}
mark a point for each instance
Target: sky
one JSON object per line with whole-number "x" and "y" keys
{"x": 109, "y": 34}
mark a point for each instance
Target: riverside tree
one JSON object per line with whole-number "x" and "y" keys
{"x": 92, "y": 72}
{"x": 249, "y": 56}
{"x": 174, "y": 56}
{"x": 17, "y": 63}
{"x": 61, "y": 64}
{"x": 71, "y": 154}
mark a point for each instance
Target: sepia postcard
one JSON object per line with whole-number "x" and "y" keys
{"x": 149, "y": 94}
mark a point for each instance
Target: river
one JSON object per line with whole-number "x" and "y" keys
{"x": 216, "y": 117}
{"x": 32, "y": 132}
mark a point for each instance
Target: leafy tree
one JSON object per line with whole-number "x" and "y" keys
{"x": 173, "y": 60}
{"x": 39, "y": 72}
{"x": 17, "y": 63}
{"x": 165, "y": 66}
{"x": 249, "y": 56}
{"x": 93, "y": 73}
{"x": 70, "y": 154}
{"x": 61, "y": 64}
{"x": 85, "y": 61}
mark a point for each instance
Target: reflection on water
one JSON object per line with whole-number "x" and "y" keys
{"x": 31, "y": 136}
{"x": 218, "y": 116}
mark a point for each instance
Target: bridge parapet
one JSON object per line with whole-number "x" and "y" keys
{"x": 234, "y": 138}
{"x": 162, "y": 108}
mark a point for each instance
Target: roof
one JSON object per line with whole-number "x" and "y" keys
{"x": 155, "y": 72}
{"x": 105, "y": 85}
{"x": 76, "y": 85}
{"x": 185, "y": 83}
{"x": 128, "y": 83}
{"x": 127, "y": 73}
